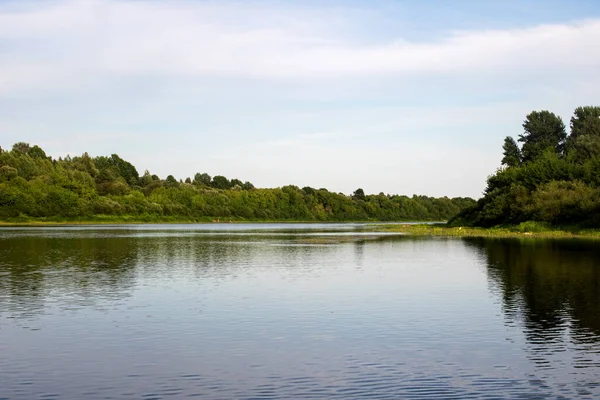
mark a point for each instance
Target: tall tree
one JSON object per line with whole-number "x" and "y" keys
{"x": 512, "y": 153}
{"x": 21, "y": 147}
{"x": 542, "y": 130}
{"x": 220, "y": 182}
{"x": 85, "y": 163}
{"x": 236, "y": 182}
{"x": 171, "y": 181}
{"x": 358, "y": 194}
{"x": 126, "y": 169}
{"x": 202, "y": 179}
{"x": 585, "y": 121}
{"x": 584, "y": 141}
{"x": 36, "y": 152}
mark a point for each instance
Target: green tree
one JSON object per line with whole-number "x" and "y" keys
{"x": 512, "y": 153}
{"x": 7, "y": 173}
{"x": 21, "y": 147}
{"x": 220, "y": 182}
{"x": 86, "y": 163}
{"x": 584, "y": 147}
{"x": 126, "y": 170}
{"x": 146, "y": 179}
{"x": 236, "y": 182}
{"x": 585, "y": 121}
{"x": 202, "y": 179}
{"x": 553, "y": 184}
{"x": 542, "y": 130}
{"x": 308, "y": 190}
{"x": 584, "y": 141}
{"x": 359, "y": 194}
{"x": 34, "y": 185}
{"x": 171, "y": 181}
{"x": 36, "y": 152}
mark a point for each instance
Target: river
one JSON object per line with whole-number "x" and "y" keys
{"x": 272, "y": 311}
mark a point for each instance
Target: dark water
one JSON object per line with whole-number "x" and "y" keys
{"x": 321, "y": 312}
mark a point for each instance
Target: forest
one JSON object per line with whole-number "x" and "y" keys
{"x": 547, "y": 175}
{"x": 35, "y": 186}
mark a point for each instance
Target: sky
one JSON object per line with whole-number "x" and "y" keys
{"x": 399, "y": 97}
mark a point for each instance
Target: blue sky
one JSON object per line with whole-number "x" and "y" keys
{"x": 391, "y": 96}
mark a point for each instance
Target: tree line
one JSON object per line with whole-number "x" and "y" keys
{"x": 546, "y": 175}
{"x": 34, "y": 185}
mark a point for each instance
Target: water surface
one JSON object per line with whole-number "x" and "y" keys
{"x": 231, "y": 311}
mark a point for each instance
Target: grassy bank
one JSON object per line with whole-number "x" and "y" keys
{"x": 151, "y": 219}
{"x": 524, "y": 230}
{"x": 99, "y": 220}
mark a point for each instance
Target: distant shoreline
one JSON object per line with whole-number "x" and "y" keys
{"x": 111, "y": 220}
{"x": 411, "y": 228}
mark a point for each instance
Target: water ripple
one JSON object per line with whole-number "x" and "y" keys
{"x": 169, "y": 314}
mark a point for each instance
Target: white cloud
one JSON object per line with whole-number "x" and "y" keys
{"x": 55, "y": 41}
{"x": 297, "y": 142}
{"x": 278, "y": 93}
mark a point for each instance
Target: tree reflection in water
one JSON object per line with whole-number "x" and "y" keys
{"x": 551, "y": 288}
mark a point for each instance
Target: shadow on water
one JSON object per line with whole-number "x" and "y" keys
{"x": 542, "y": 282}
{"x": 550, "y": 289}
{"x": 33, "y": 269}
{"x": 75, "y": 271}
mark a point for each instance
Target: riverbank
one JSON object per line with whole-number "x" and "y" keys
{"x": 136, "y": 219}
{"x": 524, "y": 230}
{"x": 101, "y": 220}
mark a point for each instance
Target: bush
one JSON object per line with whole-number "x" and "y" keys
{"x": 532, "y": 226}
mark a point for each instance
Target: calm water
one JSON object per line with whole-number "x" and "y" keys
{"x": 294, "y": 311}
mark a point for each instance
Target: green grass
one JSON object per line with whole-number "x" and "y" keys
{"x": 523, "y": 230}
{"x": 109, "y": 219}
{"x": 147, "y": 219}
{"x": 528, "y": 229}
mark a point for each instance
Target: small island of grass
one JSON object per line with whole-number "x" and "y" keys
{"x": 523, "y": 230}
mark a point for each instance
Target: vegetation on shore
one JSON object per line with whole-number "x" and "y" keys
{"x": 547, "y": 177}
{"x": 149, "y": 219}
{"x": 523, "y": 230}
{"x": 551, "y": 177}
{"x": 35, "y": 187}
